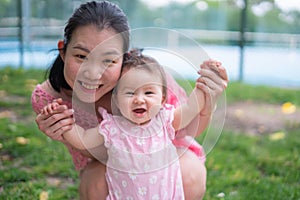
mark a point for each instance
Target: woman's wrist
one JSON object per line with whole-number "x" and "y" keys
{"x": 208, "y": 114}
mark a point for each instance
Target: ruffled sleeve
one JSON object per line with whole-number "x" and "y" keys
{"x": 168, "y": 118}
{"x": 105, "y": 126}
{"x": 40, "y": 98}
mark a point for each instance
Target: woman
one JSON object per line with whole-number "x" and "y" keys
{"x": 104, "y": 23}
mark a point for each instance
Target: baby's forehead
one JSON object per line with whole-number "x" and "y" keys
{"x": 139, "y": 77}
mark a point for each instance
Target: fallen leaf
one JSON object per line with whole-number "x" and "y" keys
{"x": 44, "y": 195}
{"x": 22, "y": 140}
{"x": 288, "y": 108}
{"x": 277, "y": 136}
{"x": 221, "y": 195}
{"x": 239, "y": 113}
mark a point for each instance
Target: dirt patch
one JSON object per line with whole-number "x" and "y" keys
{"x": 258, "y": 118}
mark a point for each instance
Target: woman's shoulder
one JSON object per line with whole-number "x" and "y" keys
{"x": 45, "y": 88}
{"x": 42, "y": 94}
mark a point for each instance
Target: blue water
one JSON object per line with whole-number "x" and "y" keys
{"x": 262, "y": 65}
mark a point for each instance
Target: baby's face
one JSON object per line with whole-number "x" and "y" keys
{"x": 139, "y": 96}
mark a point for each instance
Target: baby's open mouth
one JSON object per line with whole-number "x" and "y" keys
{"x": 139, "y": 110}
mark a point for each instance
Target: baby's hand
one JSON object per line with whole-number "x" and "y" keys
{"x": 51, "y": 107}
{"x": 212, "y": 64}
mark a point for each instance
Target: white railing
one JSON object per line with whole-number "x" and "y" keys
{"x": 291, "y": 40}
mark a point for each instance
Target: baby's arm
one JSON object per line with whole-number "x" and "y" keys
{"x": 185, "y": 113}
{"x": 77, "y": 136}
{"x": 84, "y": 139}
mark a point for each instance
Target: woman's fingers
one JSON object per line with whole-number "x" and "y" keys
{"x": 52, "y": 123}
{"x": 213, "y": 79}
{"x": 59, "y": 128}
{"x": 215, "y": 67}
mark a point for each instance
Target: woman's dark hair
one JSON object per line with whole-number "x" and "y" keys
{"x": 103, "y": 15}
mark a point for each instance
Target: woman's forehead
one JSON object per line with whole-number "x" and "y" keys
{"x": 91, "y": 38}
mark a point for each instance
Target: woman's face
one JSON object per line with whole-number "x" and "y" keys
{"x": 93, "y": 61}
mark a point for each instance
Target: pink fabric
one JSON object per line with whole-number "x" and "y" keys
{"x": 142, "y": 162}
{"x": 40, "y": 98}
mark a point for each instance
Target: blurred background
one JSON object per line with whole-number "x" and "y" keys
{"x": 258, "y": 41}
{"x": 257, "y": 155}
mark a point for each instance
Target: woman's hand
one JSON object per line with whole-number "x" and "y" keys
{"x": 54, "y": 124}
{"x": 213, "y": 81}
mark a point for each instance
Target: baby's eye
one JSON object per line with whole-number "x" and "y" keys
{"x": 149, "y": 92}
{"x": 129, "y": 93}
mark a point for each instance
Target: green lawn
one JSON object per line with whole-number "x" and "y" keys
{"x": 239, "y": 167}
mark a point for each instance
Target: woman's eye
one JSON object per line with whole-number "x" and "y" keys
{"x": 82, "y": 57}
{"x": 108, "y": 62}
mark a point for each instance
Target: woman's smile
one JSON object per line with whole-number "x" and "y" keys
{"x": 90, "y": 86}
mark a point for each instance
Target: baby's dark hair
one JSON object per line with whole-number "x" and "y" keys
{"x": 136, "y": 59}
{"x": 101, "y": 14}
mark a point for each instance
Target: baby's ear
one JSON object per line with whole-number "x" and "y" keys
{"x": 164, "y": 100}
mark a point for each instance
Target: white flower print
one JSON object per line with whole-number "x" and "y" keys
{"x": 124, "y": 183}
{"x": 116, "y": 174}
{"x": 132, "y": 176}
{"x": 142, "y": 191}
{"x": 123, "y": 136}
{"x": 146, "y": 167}
{"x": 140, "y": 141}
{"x": 124, "y": 123}
{"x": 155, "y": 197}
{"x": 129, "y": 198}
{"x": 153, "y": 179}
{"x": 160, "y": 134}
{"x": 113, "y": 130}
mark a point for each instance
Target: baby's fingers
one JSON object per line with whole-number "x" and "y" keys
{"x": 59, "y": 109}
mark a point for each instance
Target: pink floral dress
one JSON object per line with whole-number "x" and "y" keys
{"x": 142, "y": 160}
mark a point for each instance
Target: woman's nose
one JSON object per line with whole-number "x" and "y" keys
{"x": 93, "y": 72}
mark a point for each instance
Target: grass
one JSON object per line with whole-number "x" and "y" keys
{"x": 239, "y": 167}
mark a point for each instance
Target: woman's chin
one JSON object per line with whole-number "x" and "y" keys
{"x": 83, "y": 97}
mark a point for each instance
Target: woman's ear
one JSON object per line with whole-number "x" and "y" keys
{"x": 60, "y": 46}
